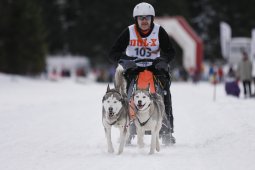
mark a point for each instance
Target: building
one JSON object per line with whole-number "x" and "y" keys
{"x": 67, "y": 66}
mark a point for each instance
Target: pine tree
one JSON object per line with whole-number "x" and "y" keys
{"x": 52, "y": 15}
{"x": 23, "y": 46}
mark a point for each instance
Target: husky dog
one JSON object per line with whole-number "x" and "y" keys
{"x": 115, "y": 113}
{"x": 150, "y": 111}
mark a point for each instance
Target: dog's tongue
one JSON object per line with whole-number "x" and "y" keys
{"x": 140, "y": 106}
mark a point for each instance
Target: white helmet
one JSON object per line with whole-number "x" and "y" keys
{"x": 143, "y": 9}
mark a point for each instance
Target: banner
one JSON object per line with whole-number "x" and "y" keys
{"x": 253, "y": 45}
{"x": 225, "y": 38}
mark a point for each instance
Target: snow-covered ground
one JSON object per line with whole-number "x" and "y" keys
{"x": 57, "y": 126}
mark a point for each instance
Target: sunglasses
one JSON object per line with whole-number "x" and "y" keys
{"x": 147, "y": 17}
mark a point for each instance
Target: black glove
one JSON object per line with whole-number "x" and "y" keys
{"x": 128, "y": 64}
{"x": 162, "y": 65}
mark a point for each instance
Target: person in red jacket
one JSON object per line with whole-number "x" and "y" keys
{"x": 220, "y": 74}
{"x": 145, "y": 45}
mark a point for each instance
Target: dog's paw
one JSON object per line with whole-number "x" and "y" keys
{"x": 151, "y": 152}
{"x": 120, "y": 152}
{"x": 141, "y": 145}
{"x": 110, "y": 150}
{"x": 157, "y": 148}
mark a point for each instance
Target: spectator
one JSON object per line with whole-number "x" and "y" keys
{"x": 212, "y": 73}
{"x": 253, "y": 73}
{"x": 244, "y": 74}
{"x": 231, "y": 84}
{"x": 220, "y": 74}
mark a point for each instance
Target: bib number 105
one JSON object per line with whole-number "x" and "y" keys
{"x": 143, "y": 52}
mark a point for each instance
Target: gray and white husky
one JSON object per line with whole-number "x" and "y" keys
{"x": 150, "y": 110}
{"x": 115, "y": 113}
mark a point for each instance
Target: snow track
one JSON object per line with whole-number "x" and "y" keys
{"x": 57, "y": 126}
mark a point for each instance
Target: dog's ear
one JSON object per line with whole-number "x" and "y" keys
{"x": 108, "y": 88}
{"x": 122, "y": 101}
{"x": 137, "y": 87}
{"x": 148, "y": 88}
{"x": 153, "y": 96}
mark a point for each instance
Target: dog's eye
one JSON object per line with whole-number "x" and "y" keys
{"x": 144, "y": 97}
{"x": 108, "y": 101}
{"x": 137, "y": 96}
{"x": 115, "y": 102}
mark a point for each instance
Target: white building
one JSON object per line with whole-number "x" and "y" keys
{"x": 67, "y": 66}
{"x": 232, "y": 47}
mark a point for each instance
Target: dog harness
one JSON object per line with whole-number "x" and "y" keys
{"x": 144, "y": 123}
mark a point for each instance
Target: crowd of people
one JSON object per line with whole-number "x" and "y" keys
{"x": 236, "y": 79}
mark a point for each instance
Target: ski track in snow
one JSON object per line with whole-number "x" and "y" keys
{"x": 57, "y": 126}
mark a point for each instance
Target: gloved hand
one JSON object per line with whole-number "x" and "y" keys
{"x": 162, "y": 65}
{"x": 128, "y": 64}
